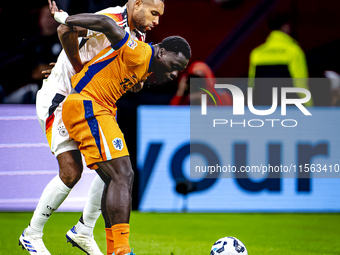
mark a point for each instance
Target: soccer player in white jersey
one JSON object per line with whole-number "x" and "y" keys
{"x": 136, "y": 17}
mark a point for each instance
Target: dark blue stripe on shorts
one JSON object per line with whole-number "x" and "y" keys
{"x": 92, "y": 122}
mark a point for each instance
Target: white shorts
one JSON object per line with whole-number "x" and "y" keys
{"x": 49, "y": 111}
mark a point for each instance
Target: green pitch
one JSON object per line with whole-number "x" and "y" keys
{"x": 192, "y": 234}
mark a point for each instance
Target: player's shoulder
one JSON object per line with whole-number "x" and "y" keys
{"x": 140, "y": 46}
{"x": 134, "y": 42}
{"x": 118, "y": 14}
{"x": 113, "y": 10}
{"x": 136, "y": 52}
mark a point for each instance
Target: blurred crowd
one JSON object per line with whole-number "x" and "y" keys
{"x": 30, "y": 43}
{"x": 33, "y": 44}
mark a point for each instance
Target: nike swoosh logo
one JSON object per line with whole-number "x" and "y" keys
{"x": 124, "y": 233}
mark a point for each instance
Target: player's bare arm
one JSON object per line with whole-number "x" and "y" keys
{"x": 68, "y": 36}
{"x": 100, "y": 23}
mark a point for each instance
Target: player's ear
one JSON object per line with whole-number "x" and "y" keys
{"x": 161, "y": 53}
{"x": 137, "y": 4}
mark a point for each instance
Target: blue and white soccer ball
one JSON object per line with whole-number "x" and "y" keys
{"x": 228, "y": 246}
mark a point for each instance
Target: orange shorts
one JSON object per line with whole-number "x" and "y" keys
{"x": 94, "y": 128}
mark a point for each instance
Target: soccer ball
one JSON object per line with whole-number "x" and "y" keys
{"x": 228, "y": 246}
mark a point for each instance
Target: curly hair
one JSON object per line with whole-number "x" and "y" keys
{"x": 176, "y": 44}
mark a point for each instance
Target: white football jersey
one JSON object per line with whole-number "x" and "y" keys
{"x": 95, "y": 42}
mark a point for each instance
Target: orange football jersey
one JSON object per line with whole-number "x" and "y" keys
{"x": 114, "y": 71}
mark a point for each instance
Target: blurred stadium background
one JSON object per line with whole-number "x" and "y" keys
{"x": 222, "y": 34}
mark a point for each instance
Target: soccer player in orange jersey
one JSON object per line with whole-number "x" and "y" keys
{"x": 136, "y": 17}
{"x": 89, "y": 115}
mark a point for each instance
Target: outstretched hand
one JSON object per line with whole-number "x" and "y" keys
{"x": 48, "y": 72}
{"x": 53, "y": 8}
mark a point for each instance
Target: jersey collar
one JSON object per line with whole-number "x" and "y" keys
{"x": 152, "y": 55}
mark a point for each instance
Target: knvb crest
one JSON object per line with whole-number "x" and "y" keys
{"x": 118, "y": 144}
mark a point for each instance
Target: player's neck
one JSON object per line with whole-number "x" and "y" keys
{"x": 129, "y": 9}
{"x": 155, "y": 53}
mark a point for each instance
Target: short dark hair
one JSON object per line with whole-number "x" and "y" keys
{"x": 177, "y": 44}
{"x": 277, "y": 20}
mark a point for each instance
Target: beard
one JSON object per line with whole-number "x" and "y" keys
{"x": 140, "y": 21}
